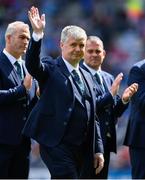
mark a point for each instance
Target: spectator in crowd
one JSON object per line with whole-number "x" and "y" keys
{"x": 109, "y": 104}
{"x": 136, "y": 127}
{"x": 63, "y": 122}
{"x": 17, "y": 97}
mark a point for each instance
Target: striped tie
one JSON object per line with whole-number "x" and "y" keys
{"x": 97, "y": 78}
{"x": 78, "y": 81}
{"x": 19, "y": 71}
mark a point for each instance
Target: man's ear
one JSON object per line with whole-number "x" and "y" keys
{"x": 8, "y": 37}
{"x": 104, "y": 53}
{"x": 61, "y": 44}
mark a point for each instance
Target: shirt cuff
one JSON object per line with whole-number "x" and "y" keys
{"x": 37, "y": 36}
{"x": 125, "y": 102}
{"x": 98, "y": 153}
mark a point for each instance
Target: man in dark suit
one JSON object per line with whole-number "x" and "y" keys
{"x": 63, "y": 121}
{"x": 17, "y": 97}
{"x": 110, "y": 105}
{"x": 136, "y": 125}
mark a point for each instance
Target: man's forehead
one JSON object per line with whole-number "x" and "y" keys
{"x": 76, "y": 38}
{"x": 21, "y": 30}
{"x": 96, "y": 43}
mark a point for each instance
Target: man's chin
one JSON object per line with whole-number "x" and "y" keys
{"x": 24, "y": 52}
{"x": 78, "y": 57}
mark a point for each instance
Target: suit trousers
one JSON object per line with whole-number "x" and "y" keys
{"x": 137, "y": 158}
{"x": 63, "y": 161}
{"x": 14, "y": 160}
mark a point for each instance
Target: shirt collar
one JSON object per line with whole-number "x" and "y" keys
{"x": 69, "y": 66}
{"x": 11, "y": 58}
{"x": 92, "y": 71}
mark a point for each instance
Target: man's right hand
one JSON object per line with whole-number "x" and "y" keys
{"x": 27, "y": 81}
{"x": 37, "y": 22}
{"x": 116, "y": 84}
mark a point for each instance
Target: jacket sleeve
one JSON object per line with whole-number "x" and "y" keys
{"x": 98, "y": 139}
{"x": 12, "y": 95}
{"x": 103, "y": 101}
{"x": 34, "y": 64}
{"x": 119, "y": 107}
{"x": 137, "y": 75}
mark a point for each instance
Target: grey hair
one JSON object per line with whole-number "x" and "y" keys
{"x": 72, "y": 31}
{"x": 12, "y": 27}
{"x": 96, "y": 38}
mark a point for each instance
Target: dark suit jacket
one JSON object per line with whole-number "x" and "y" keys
{"x": 136, "y": 125}
{"x": 15, "y": 103}
{"x": 108, "y": 108}
{"x": 48, "y": 120}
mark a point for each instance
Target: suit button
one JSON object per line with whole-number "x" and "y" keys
{"x": 106, "y": 110}
{"x": 65, "y": 123}
{"x": 94, "y": 88}
{"x": 24, "y": 118}
{"x": 24, "y": 105}
{"x": 70, "y": 109}
{"x": 107, "y": 123}
{"x": 108, "y": 135}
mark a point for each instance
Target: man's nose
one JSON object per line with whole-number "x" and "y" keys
{"x": 26, "y": 41}
{"x": 78, "y": 48}
{"x": 95, "y": 54}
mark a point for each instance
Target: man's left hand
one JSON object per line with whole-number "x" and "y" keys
{"x": 98, "y": 162}
{"x": 129, "y": 92}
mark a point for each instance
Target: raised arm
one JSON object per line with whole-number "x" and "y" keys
{"x": 33, "y": 63}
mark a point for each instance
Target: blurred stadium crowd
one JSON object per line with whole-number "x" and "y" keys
{"x": 119, "y": 23}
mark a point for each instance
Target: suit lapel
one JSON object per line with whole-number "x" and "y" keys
{"x": 67, "y": 74}
{"x": 75, "y": 91}
{"x": 10, "y": 70}
{"x": 60, "y": 63}
{"x": 98, "y": 88}
{"x": 90, "y": 83}
{"x": 24, "y": 69}
{"x": 106, "y": 85}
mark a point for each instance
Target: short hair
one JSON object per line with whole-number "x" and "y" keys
{"x": 72, "y": 31}
{"x": 12, "y": 27}
{"x": 96, "y": 38}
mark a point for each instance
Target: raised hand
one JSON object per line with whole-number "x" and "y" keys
{"x": 129, "y": 92}
{"x": 37, "y": 21}
{"x": 116, "y": 84}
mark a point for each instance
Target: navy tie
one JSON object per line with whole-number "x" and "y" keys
{"x": 19, "y": 71}
{"x": 97, "y": 78}
{"x": 78, "y": 81}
